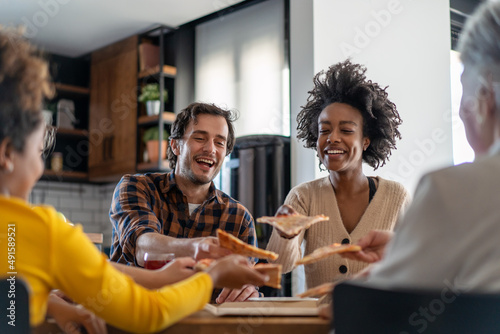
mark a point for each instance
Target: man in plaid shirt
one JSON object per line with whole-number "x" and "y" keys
{"x": 179, "y": 212}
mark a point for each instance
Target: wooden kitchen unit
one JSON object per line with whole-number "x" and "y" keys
{"x": 113, "y": 111}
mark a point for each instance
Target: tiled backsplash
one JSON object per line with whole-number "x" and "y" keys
{"x": 86, "y": 204}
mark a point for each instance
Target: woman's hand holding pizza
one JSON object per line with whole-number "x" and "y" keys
{"x": 288, "y": 223}
{"x": 286, "y": 210}
{"x": 177, "y": 270}
{"x": 235, "y": 271}
{"x": 372, "y": 247}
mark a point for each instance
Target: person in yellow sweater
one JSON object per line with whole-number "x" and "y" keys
{"x": 347, "y": 120}
{"x": 48, "y": 253}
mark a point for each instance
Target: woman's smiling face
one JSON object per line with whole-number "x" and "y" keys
{"x": 341, "y": 141}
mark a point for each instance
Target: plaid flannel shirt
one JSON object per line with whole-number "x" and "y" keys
{"x": 152, "y": 202}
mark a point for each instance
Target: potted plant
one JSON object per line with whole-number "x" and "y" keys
{"x": 151, "y": 139}
{"x": 150, "y": 95}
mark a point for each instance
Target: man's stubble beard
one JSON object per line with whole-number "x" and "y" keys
{"x": 188, "y": 173}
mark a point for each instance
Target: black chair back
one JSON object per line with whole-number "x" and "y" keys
{"x": 362, "y": 309}
{"x": 14, "y": 307}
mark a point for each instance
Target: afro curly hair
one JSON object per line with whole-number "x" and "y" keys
{"x": 346, "y": 82}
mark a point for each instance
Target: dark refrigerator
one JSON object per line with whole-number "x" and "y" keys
{"x": 259, "y": 177}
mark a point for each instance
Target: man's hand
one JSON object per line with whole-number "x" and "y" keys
{"x": 372, "y": 247}
{"x": 208, "y": 248}
{"x": 237, "y": 295}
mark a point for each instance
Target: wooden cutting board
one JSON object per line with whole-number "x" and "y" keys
{"x": 267, "y": 306}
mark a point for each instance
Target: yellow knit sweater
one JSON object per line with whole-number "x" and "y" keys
{"x": 317, "y": 197}
{"x": 51, "y": 254}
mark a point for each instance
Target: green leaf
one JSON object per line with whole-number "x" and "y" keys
{"x": 151, "y": 92}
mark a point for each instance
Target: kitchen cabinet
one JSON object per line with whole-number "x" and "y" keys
{"x": 113, "y": 111}
{"x": 106, "y": 143}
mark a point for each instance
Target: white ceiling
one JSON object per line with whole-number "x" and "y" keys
{"x": 76, "y": 27}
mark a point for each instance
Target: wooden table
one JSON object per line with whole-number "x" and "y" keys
{"x": 96, "y": 238}
{"x": 230, "y": 325}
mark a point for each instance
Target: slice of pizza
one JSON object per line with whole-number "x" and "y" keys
{"x": 273, "y": 271}
{"x": 291, "y": 225}
{"x": 324, "y": 252}
{"x": 318, "y": 291}
{"x": 203, "y": 264}
{"x": 237, "y": 246}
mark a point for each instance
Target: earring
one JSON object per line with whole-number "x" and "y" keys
{"x": 9, "y": 166}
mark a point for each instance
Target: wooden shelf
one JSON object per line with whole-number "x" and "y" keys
{"x": 73, "y": 132}
{"x": 64, "y": 176}
{"x": 153, "y": 166}
{"x": 168, "y": 118}
{"x": 168, "y": 72}
{"x": 72, "y": 89}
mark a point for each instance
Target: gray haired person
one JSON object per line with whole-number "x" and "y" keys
{"x": 448, "y": 239}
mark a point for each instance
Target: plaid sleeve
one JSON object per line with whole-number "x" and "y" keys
{"x": 131, "y": 215}
{"x": 239, "y": 222}
{"x": 247, "y": 229}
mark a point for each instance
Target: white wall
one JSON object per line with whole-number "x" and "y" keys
{"x": 405, "y": 45}
{"x": 301, "y": 73}
{"x": 301, "y": 77}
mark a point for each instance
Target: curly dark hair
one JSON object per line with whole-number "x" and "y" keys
{"x": 190, "y": 113}
{"x": 346, "y": 82}
{"x": 24, "y": 84}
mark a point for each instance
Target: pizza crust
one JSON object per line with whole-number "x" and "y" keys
{"x": 273, "y": 271}
{"x": 292, "y": 224}
{"x": 324, "y": 252}
{"x": 237, "y": 246}
{"x": 318, "y": 291}
{"x": 203, "y": 264}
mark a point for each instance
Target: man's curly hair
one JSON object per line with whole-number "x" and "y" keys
{"x": 346, "y": 82}
{"x": 24, "y": 84}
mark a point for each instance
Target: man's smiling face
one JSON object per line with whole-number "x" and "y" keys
{"x": 202, "y": 149}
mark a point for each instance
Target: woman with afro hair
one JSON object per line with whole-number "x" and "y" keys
{"x": 347, "y": 120}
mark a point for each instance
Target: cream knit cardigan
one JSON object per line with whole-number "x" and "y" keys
{"x": 318, "y": 197}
